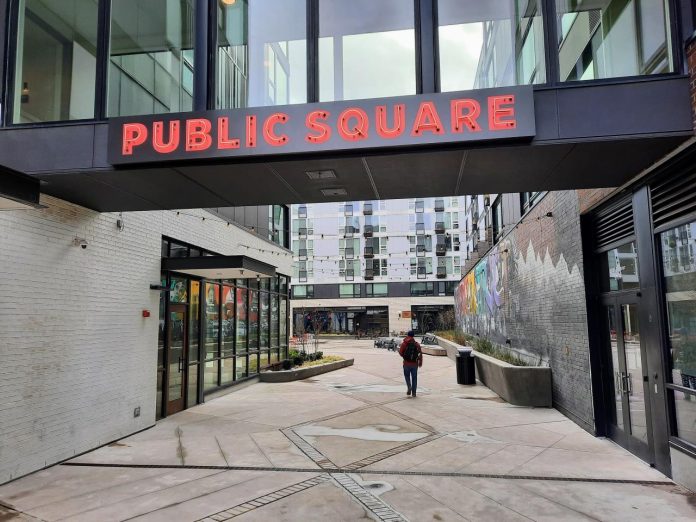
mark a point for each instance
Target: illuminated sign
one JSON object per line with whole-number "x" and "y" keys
{"x": 410, "y": 121}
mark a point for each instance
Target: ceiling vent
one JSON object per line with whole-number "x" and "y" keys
{"x": 334, "y": 192}
{"x": 321, "y": 174}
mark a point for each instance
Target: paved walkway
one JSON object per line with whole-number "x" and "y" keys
{"x": 350, "y": 445}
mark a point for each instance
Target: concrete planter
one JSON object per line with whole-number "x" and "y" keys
{"x": 433, "y": 350}
{"x": 298, "y": 374}
{"x": 518, "y": 385}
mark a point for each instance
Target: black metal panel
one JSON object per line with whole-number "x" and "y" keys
{"x": 326, "y": 292}
{"x": 18, "y": 187}
{"x": 175, "y": 264}
{"x": 614, "y": 224}
{"x": 674, "y": 197}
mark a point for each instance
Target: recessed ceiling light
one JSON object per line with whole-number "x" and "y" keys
{"x": 332, "y": 192}
{"x": 321, "y": 174}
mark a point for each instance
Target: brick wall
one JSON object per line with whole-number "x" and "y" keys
{"x": 76, "y": 355}
{"x": 528, "y": 294}
{"x": 589, "y": 197}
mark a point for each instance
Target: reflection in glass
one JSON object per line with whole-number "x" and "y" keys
{"x": 620, "y": 268}
{"x": 283, "y": 321}
{"x": 194, "y": 321}
{"x": 228, "y": 326}
{"x": 210, "y": 375}
{"x": 211, "y": 318}
{"x": 274, "y": 321}
{"x": 262, "y": 53}
{"x": 634, "y": 371}
{"x": 264, "y": 322}
{"x": 158, "y": 406}
{"x": 192, "y": 397}
{"x": 241, "y": 368}
{"x": 613, "y": 38}
{"x": 253, "y": 363}
{"x": 617, "y": 412}
{"x": 253, "y": 320}
{"x": 177, "y": 341}
{"x": 679, "y": 267}
{"x": 490, "y": 44}
{"x": 264, "y": 359}
{"x": 685, "y": 405}
{"x": 56, "y": 60}
{"x": 151, "y": 57}
{"x": 366, "y": 49}
{"x": 241, "y": 344}
{"x": 227, "y": 371}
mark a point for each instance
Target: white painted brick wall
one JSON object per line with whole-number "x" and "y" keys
{"x": 76, "y": 356}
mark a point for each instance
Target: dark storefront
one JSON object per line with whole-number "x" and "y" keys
{"x": 641, "y": 274}
{"x": 214, "y": 333}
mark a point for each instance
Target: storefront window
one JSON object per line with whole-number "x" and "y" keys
{"x": 151, "y": 57}
{"x": 274, "y": 321}
{"x": 613, "y": 38}
{"x": 253, "y": 363}
{"x": 253, "y": 320}
{"x": 210, "y": 375}
{"x": 241, "y": 368}
{"x": 241, "y": 342}
{"x": 490, "y": 44}
{"x": 620, "y": 268}
{"x": 283, "y": 322}
{"x": 179, "y": 290}
{"x": 211, "y": 320}
{"x": 264, "y": 322}
{"x": 228, "y": 326}
{"x": 679, "y": 267}
{"x": 262, "y": 53}
{"x": 55, "y": 74}
{"x": 367, "y": 49}
{"x": 227, "y": 376}
{"x": 192, "y": 397}
{"x": 264, "y": 359}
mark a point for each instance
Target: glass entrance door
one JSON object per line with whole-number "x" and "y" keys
{"x": 177, "y": 360}
{"x": 625, "y": 377}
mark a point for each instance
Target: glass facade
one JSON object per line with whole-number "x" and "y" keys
{"x": 262, "y": 53}
{"x": 679, "y": 269}
{"x": 613, "y": 38}
{"x": 490, "y": 44}
{"x": 62, "y": 71}
{"x": 151, "y": 61}
{"x": 620, "y": 268}
{"x": 367, "y": 49}
{"x": 233, "y": 329}
{"x": 56, "y": 61}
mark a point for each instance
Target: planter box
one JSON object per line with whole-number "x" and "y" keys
{"x": 518, "y": 385}
{"x": 433, "y": 350}
{"x": 300, "y": 373}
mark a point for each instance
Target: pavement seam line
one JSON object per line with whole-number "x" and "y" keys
{"x": 264, "y": 500}
{"x": 373, "y": 504}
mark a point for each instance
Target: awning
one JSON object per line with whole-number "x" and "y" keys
{"x": 18, "y": 191}
{"x": 219, "y": 267}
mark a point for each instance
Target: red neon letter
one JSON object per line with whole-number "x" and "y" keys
{"x": 468, "y": 118}
{"x": 158, "y": 137}
{"x": 427, "y": 120}
{"x": 224, "y": 140}
{"x": 269, "y": 134}
{"x": 399, "y": 121}
{"x": 323, "y": 130}
{"x": 134, "y": 134}
{"x": 198, "y": 135}
{"x": 500, "y": 115}
{"x": 359, "y": 130}
{"x": 251, "y": 131}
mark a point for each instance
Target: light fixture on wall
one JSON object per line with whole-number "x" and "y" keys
{"x": 25, "y": 93}
{"x": 81, "y": 242}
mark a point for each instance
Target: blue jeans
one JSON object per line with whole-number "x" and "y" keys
{"x": 411, "y": 376}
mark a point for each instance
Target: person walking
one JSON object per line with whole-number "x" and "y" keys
{"x": 412, "y": 355}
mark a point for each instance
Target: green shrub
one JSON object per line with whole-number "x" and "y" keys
{"x": 486, "y": 347}
{"x": 320, "y": 355}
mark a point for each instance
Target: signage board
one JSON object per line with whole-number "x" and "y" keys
{"x": 406, "y": 121}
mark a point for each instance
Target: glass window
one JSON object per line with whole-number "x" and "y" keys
{"x": 227, "y": 374}
{"x": 241, "y": 367}
{"x": 241, "y": 320}
{"x": 264, "y": 359}
{"x": 264, "y": 323}
{"x": 194, "y": 320}
{"x": 228, "y": 326}
{"x": 253, "y": 320}
{"x": 211, "y": 320}
{"x": 283, "y": 321}
{"x": 192, "y": 397}
{"x": 349, "y": 290}
{"x": 210, "y": 375}
{"x": 56, "y": 63}
{"x": 679, "y": 267}
{"x": 151, "y": 57}
{"x": 274, "y": 321}
{"x": 490, "y": 44}
{"x": 366, "y": 49}
{"x": 179, "y": 290}
{"x": 620, "y": 268}
{"x": 613, "y": 38}
{"x": 262, "y": 53}
{"x": 253, "y": 363}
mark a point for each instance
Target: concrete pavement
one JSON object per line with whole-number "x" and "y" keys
{"x": 350, "y": 445}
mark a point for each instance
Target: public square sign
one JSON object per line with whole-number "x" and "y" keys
{"x": 407, "y": 121}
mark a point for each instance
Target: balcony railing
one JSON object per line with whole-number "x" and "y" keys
{"x": 350, "y": 231}
{"x": 440, "y": 249}
{"x": 302, "y": 232}
{"x": 369, "y": 275}
{"x": 302, "y": 212}
{"x": 420, "y": 207}
{"x": 439, "y": 227}
{"x": 350, "y": 275}
{"x": 420, "y": 228}
{"x": 439, "y": 205}
{"x": 369, "y": 252}
{"x": 420, "y": 250}
{"x": 441, "y": 272}
{"x": 421, "y": 272}
{"x": 350, "y": 253}
{"x": 368, "y": 231}
{"x": 303, "y": 254}
{"x": 367, "y": 209}
{"x": 348, "y": 210}
{"x": 303, "y": 277}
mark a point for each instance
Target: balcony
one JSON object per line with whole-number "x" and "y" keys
{"x": 350, "y": 253}
{"x": 420, "y": 207}
{"x": 302, "y": 256}
{"x": 302, "y": 212}
{"x": 421, "y": 272}
{"x": 350, "y": 275}
{"x": 369, "y": 275}
{"x": 420, "y": 228}
{"x": 420, "y": 251}
{"x": 350, "y": 231}
{"x": 368, "y": 231}
{"x": 302, "y": 233}
{"x": 369, "y": 252}
{"x": 440, "y": 249}
{"x": 303, "y": 277}
{"x": 439, "y": 205}
{"x": 441, "y": 272}
{"x": 367, "y": 209}
{"x": 348, "y": 210}
{"x": 439, "y": 227}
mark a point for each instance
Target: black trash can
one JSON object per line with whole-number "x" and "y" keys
{"x": 466, "y": 366}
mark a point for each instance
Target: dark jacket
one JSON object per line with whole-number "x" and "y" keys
{"x": 402, "y": 350}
